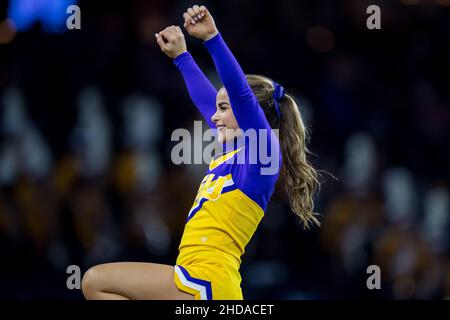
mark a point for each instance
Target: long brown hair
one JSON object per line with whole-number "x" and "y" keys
{"x": 299, "y": 176}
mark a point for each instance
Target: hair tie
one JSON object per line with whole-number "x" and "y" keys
{"x": 278, "y": 93}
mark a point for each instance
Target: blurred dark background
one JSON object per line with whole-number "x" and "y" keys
{"x": 86, "y": 118}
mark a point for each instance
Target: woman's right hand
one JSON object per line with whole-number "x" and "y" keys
{"x": 199, "y": 23}
{"x": 171, "y": 41}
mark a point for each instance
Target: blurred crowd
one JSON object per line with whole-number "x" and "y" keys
{"x": 86, "y": 119}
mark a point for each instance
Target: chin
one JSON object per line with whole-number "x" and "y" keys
{"x": 220, "y": 138}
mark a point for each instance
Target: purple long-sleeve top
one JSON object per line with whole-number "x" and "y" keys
{"x": 249, "y": 176}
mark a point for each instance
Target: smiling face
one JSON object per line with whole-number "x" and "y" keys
{"x": 224, "y": 119}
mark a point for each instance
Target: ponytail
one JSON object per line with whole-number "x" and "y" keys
{"x": 299, "y": 176}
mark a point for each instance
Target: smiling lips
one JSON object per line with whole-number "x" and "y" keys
{"x": 220, "y": 127}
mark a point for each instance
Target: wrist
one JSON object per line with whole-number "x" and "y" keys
{"x": 179, "y": 54}
{"x": 211, "y": 35}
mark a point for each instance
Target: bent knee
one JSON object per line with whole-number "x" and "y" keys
{"x": 91, "y": 283}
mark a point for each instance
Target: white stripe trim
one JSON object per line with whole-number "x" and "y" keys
{"x": 227, "y": 183}
{"x": 190, "y": 284}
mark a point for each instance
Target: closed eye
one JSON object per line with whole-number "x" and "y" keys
{"x": 223, "y": 106}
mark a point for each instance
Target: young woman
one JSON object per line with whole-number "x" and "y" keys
{"x": 233, "y": 195}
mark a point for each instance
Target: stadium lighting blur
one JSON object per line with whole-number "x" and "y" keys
{"x": 320, "y": 39}
{"x": 443, "y": 2}
{"x": 50, "y": 13}
{"x": 410, "y": 2}
{"x": 7, "y": 31}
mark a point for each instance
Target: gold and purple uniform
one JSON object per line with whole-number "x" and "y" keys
{"x": 234, "y": 193}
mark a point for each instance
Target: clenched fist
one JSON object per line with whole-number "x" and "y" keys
{"x": 199, "y": 23}
{"x": 171, "y": 41}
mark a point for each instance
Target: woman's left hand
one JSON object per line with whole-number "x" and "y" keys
{"x": 199, "y": 23}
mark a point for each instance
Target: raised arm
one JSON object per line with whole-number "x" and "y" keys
{"x": 245, "y": 106}
{"x": 202, "y": 92}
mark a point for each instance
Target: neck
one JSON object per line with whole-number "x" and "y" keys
{"x": 228, "y": 146}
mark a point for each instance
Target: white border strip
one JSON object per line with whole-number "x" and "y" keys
{"x": 190, "y": 284}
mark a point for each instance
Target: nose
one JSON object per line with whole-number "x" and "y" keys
{"x": 215, "y": 117}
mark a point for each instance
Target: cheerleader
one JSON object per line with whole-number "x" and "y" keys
{"x": 233, "y": 195}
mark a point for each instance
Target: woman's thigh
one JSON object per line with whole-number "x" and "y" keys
{"x": 133, "y": 280}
